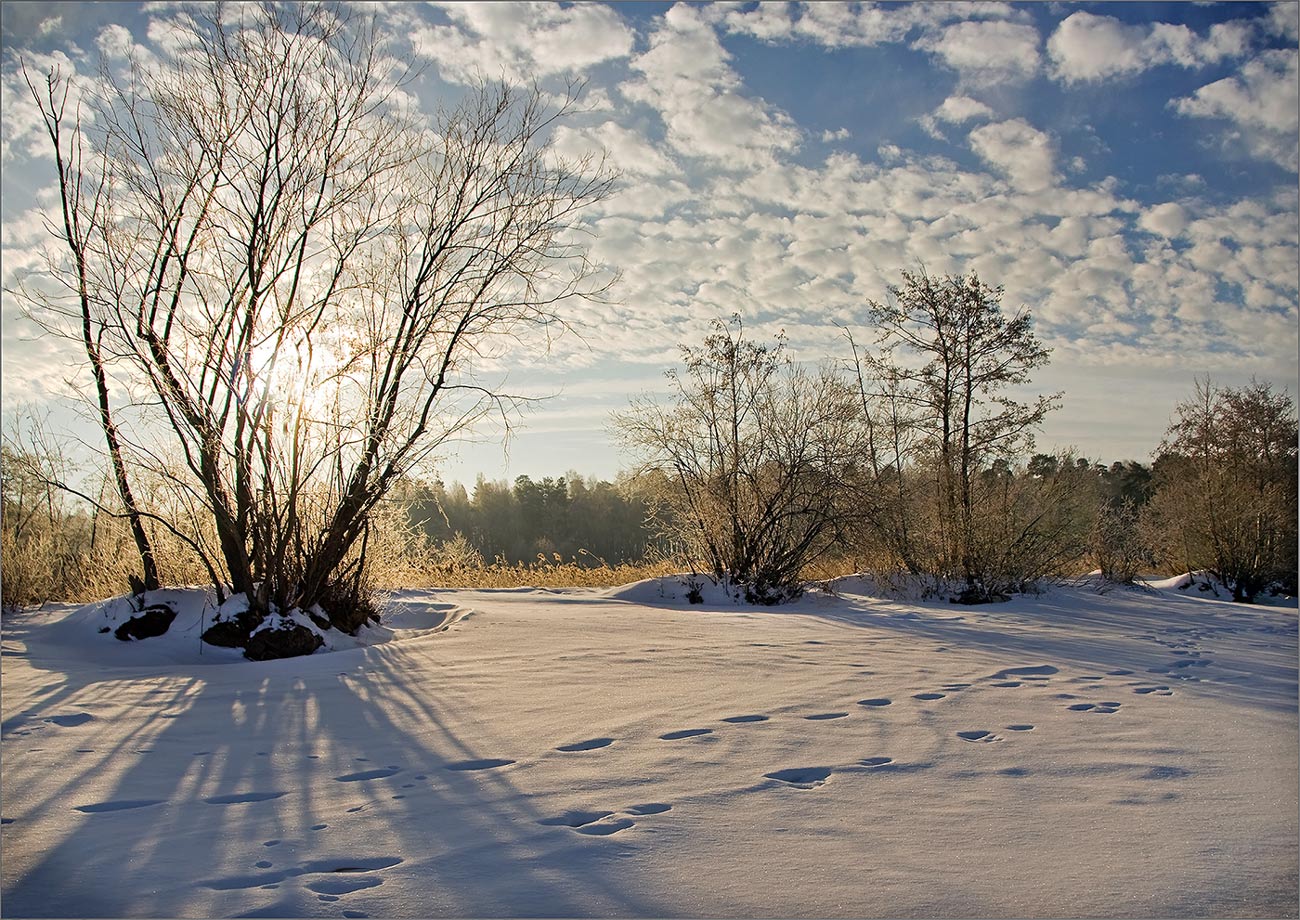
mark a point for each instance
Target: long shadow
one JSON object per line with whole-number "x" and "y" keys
{"x": 290, "y": 788}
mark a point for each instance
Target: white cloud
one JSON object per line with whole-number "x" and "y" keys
{"x": 1261, "y": 101}
{"x": 522, "y": 41}
{"x": 766, "y": 21}
{"x": 1284, "y": 19}
{"x": 173, "y": 35}
{"x": 115, "y": 41}
{"x": 804, "y": 246}
{"x": 985, "y": 52}
{"x": 841, "y": 134}
{"x": 22, "y": 130}
{"x": 955, "y": 110}
{"x": 1167, "y": 220}
{"x": 628, "y": 151}
{"x": 838, "y": 25}
{"x": 687, "y": 79}
{"x": 959, "y": 109}
{"x": 1025, "y": 155}
{"x": 1088, "y": 47}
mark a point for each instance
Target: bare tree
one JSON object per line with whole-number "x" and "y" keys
{"x": 757, "y": 458}
{"x": 934, "y": 395}
{"x": 83, "y": 200}
{"x": 305, "y": 277}
{"x": 1225, "y": 496}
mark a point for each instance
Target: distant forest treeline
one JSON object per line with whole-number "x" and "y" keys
{"x": 572, "y": 516}
{"x": 590, "y": 519}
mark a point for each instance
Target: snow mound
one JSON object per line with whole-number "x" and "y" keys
{"x": 681, "y": 590}
{"x": 90, "y": 631}
{"x": 1207, "y": 584}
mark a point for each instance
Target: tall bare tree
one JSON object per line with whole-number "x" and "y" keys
{"x": 935, "y": 396}
{"x": 305, "y": 276}
{"x": 82, "y": 202}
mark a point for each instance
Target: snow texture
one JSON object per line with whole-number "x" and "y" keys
{"x": 624, "y": 752}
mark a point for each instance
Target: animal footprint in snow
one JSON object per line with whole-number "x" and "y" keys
{"x": 344, "y": 865}
{"x": 980, "y": 736}
{"x": 575, "y": 818}
{"x": 485, "y": 763}
{"x": 875, "y": 761}
{"x": 70, "y": 721}
{"x": 340, "y": 886}
{"x": 605, "y": 828}
{"x": 736, "y": 719}
{"x": 367, "y": 775}
{"x": 588, "y": 745}
{"x": 241, "y": 798}
{"x": 878, "y": 701}
{"x": 928, "y": 696}
{"x": 824, "y": 716}
{"x": 1156, "y": 690}
{"x": 1025, "y": 672}
{"x": 685, "y": 733}
{"x": 801, "y": 777}
{"x": 1188, "y": 663}
{"x": 649, "y": 808}
{"x": 1094, "y": 707}
{"x": 603, "y": 823}
{"x": 1023, "y": 727}
{"x": 1166, "y": 772}
{"x": 119, "y": 805}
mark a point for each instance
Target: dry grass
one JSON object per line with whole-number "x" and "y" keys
{"x": 54, "y": 566}
{"x": 544, "y": 573}
{"x": 48, "y": 564}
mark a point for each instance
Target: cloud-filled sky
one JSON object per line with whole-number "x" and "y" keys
{"x": 1128, "y": 172}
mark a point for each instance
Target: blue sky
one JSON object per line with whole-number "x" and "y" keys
{"x": 1127, "y": 171}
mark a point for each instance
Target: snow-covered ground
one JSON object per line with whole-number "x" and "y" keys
{"x": 623, "y": 753}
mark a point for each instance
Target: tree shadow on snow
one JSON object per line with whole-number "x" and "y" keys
{"x": 289, "y": 788}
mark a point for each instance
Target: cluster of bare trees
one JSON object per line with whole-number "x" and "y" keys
{"x": 767, "y": 467}
{"x": 1225, "y": 496}
{"x": 286, "y": 281}
{"x": 913, "y": 463}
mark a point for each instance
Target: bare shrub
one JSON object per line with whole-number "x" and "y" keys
{"x": 756, "y": 460}
{"x": 1119, "y": 548}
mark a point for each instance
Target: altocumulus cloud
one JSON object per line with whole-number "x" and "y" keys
{"x": 960, "y": 137}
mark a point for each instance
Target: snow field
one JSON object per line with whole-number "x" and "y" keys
{"x": 623, "y": 753}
